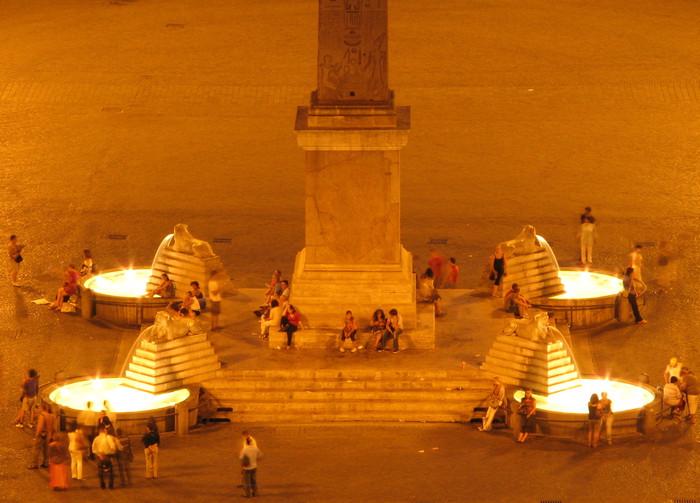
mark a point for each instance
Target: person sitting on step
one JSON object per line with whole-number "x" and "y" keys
{"x": 166, "y": 289}
{"x": 273, "y": 319}
{"x": 349, "y": 331}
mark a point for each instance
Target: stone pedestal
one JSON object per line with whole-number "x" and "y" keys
{"x": 353, "y": 259}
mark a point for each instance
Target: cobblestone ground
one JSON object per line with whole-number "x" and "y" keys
{"x": 124, "y": 117}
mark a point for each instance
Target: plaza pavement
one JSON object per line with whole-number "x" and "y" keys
{"x": 126, "y": 117}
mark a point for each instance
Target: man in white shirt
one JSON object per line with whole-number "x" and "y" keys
{"x": 273, "y": 319}
{"x": 249, "y": 457}
{"x": 105, "y": 448}
{"x": 495, "y": 400}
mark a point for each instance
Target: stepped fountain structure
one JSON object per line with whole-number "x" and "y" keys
{"x": 535, "y": 352}
{"x": 118, "y": 296}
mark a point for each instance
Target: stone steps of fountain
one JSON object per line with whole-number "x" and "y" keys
{"x": 173, "y": 368}
{"x": 183, "y": 268}
{"x": 171, "y": 381}
{"x": 521, "y": 276}
{"x": 536, "y": 281}
{"x": 163, "y": 362}
{"x": 529, "y": 360}
{"x": 527, "y": 367}
{"x": 519, "y": 352}
{"x": 171, "y": 353}
{"x": 532, "y": 345}
{"x": 175, "y": 343}
{"x": 520, "y": 377}
{"x": 355, "y": 395}
{"x": 520, "y": 260}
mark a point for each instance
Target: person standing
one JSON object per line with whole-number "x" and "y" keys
{"x": 30, "y": 389}
{"x": 452, "y": 274}
{"x": 495, "y": 400}
{"x": 435, "y": 262}
{"x": 58, "y": 458}
{"x": 594, "y": 416}
{"x": 690, "y": 385}
{"x": 673, "y": 368}
{"x": 588, "y": 235}
{"x": 105, "y": 448}
{"x": 636, "y": 260}
{"x": 44, "y": 434}
{"x": 215, "y": 299}
{"x": 498, "y": 268}
{"x": 77, "y": 447}
{"x": 631, "y": 290}
{"x": 249, "y": 457}
{"x": 151, "y": 441}
{"x": 15, "y": 251}
{"x": 124, "y": 457}
{"x": 606, "y": 416}
{"x": 586, "y": 214}
{"x": 87, "y": 422}
{"x": 394, "y": 328}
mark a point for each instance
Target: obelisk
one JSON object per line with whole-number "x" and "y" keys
{"x": 352, "y": 134}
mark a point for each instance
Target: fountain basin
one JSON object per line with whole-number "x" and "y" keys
{"x": 117, "y": 296}
{"x": 590, "y": 299}
{"x": 132, "y": 407}
{"x": 565, "y": 414}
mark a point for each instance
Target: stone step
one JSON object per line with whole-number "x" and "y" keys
{"x": 161, "y": 379}
{"x": 549, "y": 291}
{"x": 173, "y": 360}
{"x": 374, "y": 417}
{"x": 355, "y": 374}
{"x": 528, "y": 353}
{"x": 518, "y": 275}
{"x": 529, "y": 360}
{"x": 183, "y": 350}
{"x": 174, "y": 368}
{"x": 320, "y": 338}
{"x": 175, "y": 343}
{"x": 346, "y": 406}
{"x": 405, "y": 396}
{"x": 171, "y": 385}
{"x": 293, "y": 385}
{"x": 541, "y": 381}
{"x": 531, "y": 345}
{"x": 538, "y": 281}
{"x": 524, "y": 259}
{"x": 527, "y": 368}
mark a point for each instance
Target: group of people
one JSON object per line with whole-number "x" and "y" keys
{"x": 680, "y": 389}
{"x": 277, "y": 313}
{"x": 599, "y": 414}
{"x": 382, "y": 328}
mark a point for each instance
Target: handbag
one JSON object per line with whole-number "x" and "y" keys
{"x": 494, "y": 403}
{"x": 19, "y": 259}
{"x": 492, "y": 276}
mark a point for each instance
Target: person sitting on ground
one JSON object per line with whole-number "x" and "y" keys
{"x": 166, "y": 289}
{"x": 517, "y": 303}
{"x": 428, "y": 293}
{"x": 349, "y": 331}
{"x": 199, "y": 295}
{"x": 394, "y": 328}
{"x": 87, "y": 267}
{"x": 70, "y": 287}
{"x": 291, "y": 322}
{"x": 673, "y": 396}
{"x": 191, "y": 303}
{"x": 273, "y": 319}
{"x": 377, "y": 328}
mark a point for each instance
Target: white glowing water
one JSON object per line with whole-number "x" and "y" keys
{"x": 120, "y": 398}
{"x": 128, "y": 283}
{"x": 588, "y": 285}
{"x": 624, "y": 396}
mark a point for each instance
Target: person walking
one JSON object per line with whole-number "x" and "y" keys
{"x": 124, "y": 457}
{"x": 452, "y": 274}
{"x": 498, "y": 268}
{"x": 630, "y": 290}
{"x": 588, "y": 236}
{"x": 77, "y": 447}
{"x": 30, "y": 389}
{"x": 151, "y": 441}
{"x": 249, "y": 457}
{"x": 435, "y": 262}
{"x": 636, "y": 260}
{"x": 58, "y": 462}
{"x": 495, "y": 399}
{"x": 14, "y": 249}
{"x": 44, "y": 434}
{"x": 215, "y": 299}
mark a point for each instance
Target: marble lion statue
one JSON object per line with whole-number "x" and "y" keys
{"x": 167, "y": 327}
{"x": 184, "y": 242}
{"x": 533, "y": 329}
{"x": 525, "y": 243}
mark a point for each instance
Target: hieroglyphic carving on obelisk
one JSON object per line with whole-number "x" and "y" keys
{"x": 352, "y": 52}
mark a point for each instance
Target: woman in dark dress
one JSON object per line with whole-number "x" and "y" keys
{"x": 594, "y": 415}
{"x": 528, "y": 406}
{"x": 498, "y": 268}
{"x": 378, "y": 327}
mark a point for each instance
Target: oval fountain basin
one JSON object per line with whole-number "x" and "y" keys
{"x": 565, "y": 414}
{"x": 590, "y": 299}
{"x": 118, "y": 297}
{"x": 132, "y": 407}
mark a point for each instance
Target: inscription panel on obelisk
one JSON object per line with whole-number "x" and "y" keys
{"x": 352, "y": 52}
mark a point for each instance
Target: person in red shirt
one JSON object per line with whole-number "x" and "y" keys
{"x": 452, "y": 274}
{"x": 70, "y": 286}
{"x": 435, "y": 263}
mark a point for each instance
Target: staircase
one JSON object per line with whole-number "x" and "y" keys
{"x": 307, "y": 396}
{"x": 544, "y": 367}
{"x": 159, "y": 367}
{"x": 537, "y": 274}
